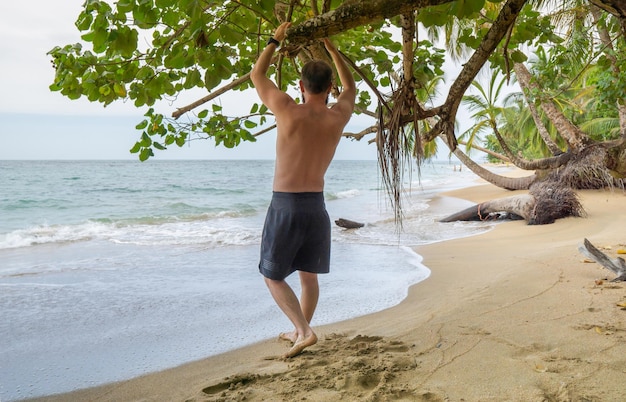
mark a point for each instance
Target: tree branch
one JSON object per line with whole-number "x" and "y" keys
{"x": 180, "y": 111}
{"x": 487, "y": 151}
{"x": 509, "y": 183}
{"x": 354, "y": 14}
{"x": 542, "y": 164}
{"x": 358, "y": 136}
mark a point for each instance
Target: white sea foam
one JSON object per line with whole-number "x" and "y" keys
{"x": 348, "y": 193}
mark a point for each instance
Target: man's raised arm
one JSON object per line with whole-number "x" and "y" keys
{"x": 269, "y": 93}
{"x": 348, "y": 92}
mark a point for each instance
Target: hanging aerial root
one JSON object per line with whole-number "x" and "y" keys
{"x": 396, "y": 145}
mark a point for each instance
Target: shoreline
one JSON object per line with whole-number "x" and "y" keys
{"x": 509, "y": 314}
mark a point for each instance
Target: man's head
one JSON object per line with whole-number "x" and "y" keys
{"x": 317, "y": 76}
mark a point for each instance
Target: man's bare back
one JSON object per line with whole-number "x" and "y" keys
{"x": 307, "y": 137}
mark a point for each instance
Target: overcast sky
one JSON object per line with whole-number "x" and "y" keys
{"x": 36, "y": 123}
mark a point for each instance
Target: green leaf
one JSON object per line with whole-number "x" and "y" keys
{"x": 203, "y": 114}
{"x": 142, "y": 125}
{"x": 164, "y": 3}
{"x": 104, "y": 90}
{"x": 230, "y": 35}
{"x": 518, "y": 56}
{"x": 84, "y": 21}
{"x": 145, "y": 154}
{"x": 211, "y": 80}
{"x": 246, "y": 136}
{"x": 193, "y": 79}
{"x": 249, "y": 124}
{"x": 144, "y": 73}
{"x": 119, "y": 90}
{"x": 124, "y": 42}
{"x": 135, "y": 148}
{"x": 146, "y": 141}
{"x": 465, "y": 8}
{"x": 125, "y": 6}
{"x": 433, "y": 16}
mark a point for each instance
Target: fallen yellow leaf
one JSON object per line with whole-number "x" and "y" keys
{"x": 598, "y": 330}
{"x": 621, "y": 251}
{"x": 622, "y": 304}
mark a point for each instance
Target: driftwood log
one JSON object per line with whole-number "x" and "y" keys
{"x": 616, "y": 265}
{"x": 515, "y": 207}
{"x": 543, "y": 204}
{"x": 348, "y": 224}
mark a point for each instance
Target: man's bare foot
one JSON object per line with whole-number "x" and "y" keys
{"x": 300, "y": 345}
{"x": 288, "y": 336}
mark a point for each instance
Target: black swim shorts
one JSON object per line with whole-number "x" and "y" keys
{"x": 296, "y": 235}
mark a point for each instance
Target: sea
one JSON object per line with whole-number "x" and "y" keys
{"x": 113, "y": 269}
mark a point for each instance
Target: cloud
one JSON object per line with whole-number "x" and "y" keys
{"x": 29, "y": 30}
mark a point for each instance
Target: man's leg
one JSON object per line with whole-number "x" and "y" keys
{"x": 308, "y": 301}
{"x": 288, "y": 302}
{"x": 310, "y": 294}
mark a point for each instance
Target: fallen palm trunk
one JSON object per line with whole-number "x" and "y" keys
{"x": 515, "y": 207}
{"x": 617, "y": 265}
{"x": 544, "y": 203}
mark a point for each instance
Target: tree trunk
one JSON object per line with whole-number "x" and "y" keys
{"x": 539, "y": 164}
{"x": 541, "y": 128}
{"x": 518, "y": 205}
{"x": 501, "y": 157}
{"x": 575, "y": 138}
{"x": 605, "y": 38}
{"x": 508, "y": 183}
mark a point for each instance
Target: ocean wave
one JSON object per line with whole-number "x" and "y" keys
{"x": 342, "y": 194}
{"x": 45, "y": 234}
{"x": 149, "y": 232}
{"x": 198, "y": 234}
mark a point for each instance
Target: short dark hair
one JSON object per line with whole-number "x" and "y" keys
{"x": 317, "y": 76}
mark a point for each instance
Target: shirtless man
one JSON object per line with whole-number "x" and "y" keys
{"x": 296, "y": 235}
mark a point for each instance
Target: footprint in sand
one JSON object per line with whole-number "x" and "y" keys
{"x": 338, "y": 368}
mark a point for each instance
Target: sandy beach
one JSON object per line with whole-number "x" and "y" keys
{"x": 514, "y": 314}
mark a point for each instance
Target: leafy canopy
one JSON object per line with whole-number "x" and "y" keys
{"x": 147, "y": 51}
